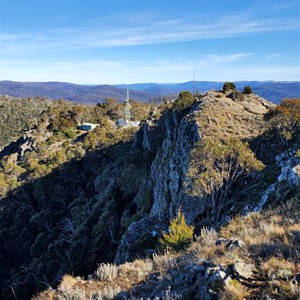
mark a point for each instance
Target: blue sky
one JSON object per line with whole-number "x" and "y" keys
{"x": 112, "y": 42}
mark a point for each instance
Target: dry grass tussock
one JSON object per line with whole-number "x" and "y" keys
{"x": 279, "y": 228}
{"x": 205, "y": 246}
{"x": 234, "y": 291}
{"x": 166, "y": 261}
{"x": 136, "y": 270}
{"x": 107, "y": 282}
{"x": 271, "y": 245}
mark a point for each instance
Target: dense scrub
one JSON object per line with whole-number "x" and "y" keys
{"x": 17, "y": 114}
{"x": 69, "y": 197}
{"x": 217, "y": 166}
{"x": 285, "y": 121}
{"x": 52, "y": 220}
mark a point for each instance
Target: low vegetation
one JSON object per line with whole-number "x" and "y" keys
{"x": 285, "y": 121}
{"x": 216, "y": 167}
{"x": 179, "y": 235}
{"x": 247, "y": 90}
{"x": 266, "y": 245}
{"x": 185, "y": 100}
{"x": 18, "y": 115}
{"x": 69, "y": 197}
{"x": 228, "y": 87}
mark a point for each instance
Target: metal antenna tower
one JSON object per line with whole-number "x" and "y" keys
{"x": 194, "y": 81}
{"x": 127, "y": 108}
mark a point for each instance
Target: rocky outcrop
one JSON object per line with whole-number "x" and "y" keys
{"x": 288, "y": 179}
{"x": 230, "y": 244}
{"x": 136, "y": 234}
{"x": 176, "y": 133}
{"x": 166, "y": 178}
{"x": 217, "y": 280}
{"x": 170, "y": 166}
{"x": 20, "y": 146}
{"x": 289, "y": 162}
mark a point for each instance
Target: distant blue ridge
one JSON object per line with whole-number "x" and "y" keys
{"x": 274, "y": 91}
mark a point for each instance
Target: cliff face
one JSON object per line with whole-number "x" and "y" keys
{"x": 213, "y": 114}
{"x": 165, "y": 178}
{"x": 287, "y": 181}
{"x": 170, "y": 166}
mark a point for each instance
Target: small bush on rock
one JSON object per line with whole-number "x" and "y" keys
{"x": 247, "y": 90}
{"x": 228, "y": 86}
{"x": 185, "y": 99}
{"x": 180, "y": 234}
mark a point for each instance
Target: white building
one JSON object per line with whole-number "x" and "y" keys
{"x": 87, "y": 126}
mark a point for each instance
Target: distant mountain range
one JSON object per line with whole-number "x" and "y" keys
{"x": 74, "y": 92}
{"x": 274, "y": 91}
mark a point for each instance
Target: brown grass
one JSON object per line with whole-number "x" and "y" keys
{"x": 136, "y": 270}
{"x": 275, "y": 267}
{"x": 272, "y": 241}
{"x": 234, "y": 291}
{"x": 164, "y": 262}
{"x": 68, "y": 281}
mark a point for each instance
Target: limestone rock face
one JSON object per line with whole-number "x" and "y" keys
{"x": 170, "y": 139}
{"x": 20, "y": 146}
{"x": 218, "y": 281}
{"x": 290, "y": 167}
{"x": 243, "y": 270}
{"x": 170, "y": 166}
{"x": 288, "y": 179}
{"x": 166, "y": 178}
{"x": 137, "y": 231}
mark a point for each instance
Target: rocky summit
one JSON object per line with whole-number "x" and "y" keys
{"x": 201, "y": 201}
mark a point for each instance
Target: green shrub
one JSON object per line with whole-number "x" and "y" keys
{"x": 180, "y": 234}
{"x": 185, "y": 99}
{"x": 228, "y": 86}
{"x": 285, "y": 121}
{"x": 70, "y": 133}
{"x": 247, "y": 90}
{"x": 216, "y": 166}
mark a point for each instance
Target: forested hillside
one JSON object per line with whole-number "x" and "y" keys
{"x": 88, "y": 94}
{"x": 17, "y": 115}
{"x": 274, "y": 91}
{"x": 73, "y": 201}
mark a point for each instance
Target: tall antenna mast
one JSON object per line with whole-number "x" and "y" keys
{"x": 127, "y": 108}
{"x": 193, "y": 81}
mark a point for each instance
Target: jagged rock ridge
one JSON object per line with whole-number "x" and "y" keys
{"x": 123, "y": 196}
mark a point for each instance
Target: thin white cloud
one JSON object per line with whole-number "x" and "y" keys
{"x": 274, "y": 55}
{"x": 220, "y": 59}
{"x": 143, "y": 32}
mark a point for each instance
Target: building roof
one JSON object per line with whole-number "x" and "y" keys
{"x": 121, "y": 122}
{"x": 88, "y": 124}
